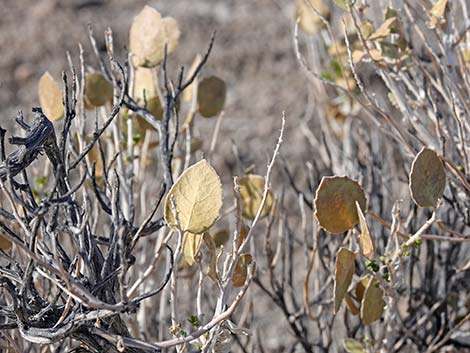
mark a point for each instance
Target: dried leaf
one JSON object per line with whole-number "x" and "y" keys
{"x": 353, "y": 346}
{"x": 345, "y": 268}
{"x": 439, "y": 8}
{"x": 309, "y": 21}
{"x": 197, "y": 195}
{"x": 361, "y": 287}
{"x": 191, "y": 246}
{"x": 251, "y": 194}
{"x": 148, "y": 35}
{"x": 242, "y": 234}
{"x": 50, "y": 97}
{"x": 427, "y": 178}
{"x": 389, "y": 50}
{"x": 366, "y": 28}
{"x": 211, "y": 96}
{"x": 5, "y": 244}
{"x": 221, "y": 237}
{"x": 211, "y": 269}
{"x": 196, "y": 144}
{"x": 155, "y": 108}
{"x": 376, "y": 55}
{"x": 190, "y": 90}
{"x": 98, "y": 90}
{"x": 357, "y": 56}
{"x": 95, "y": 157}
{"x": 240, "y": 272}
{"x": 366, "y": 240}
{"x": 353, "y": 309}
{"x": 344, "y": 4}
{"x": 372, "y": 304}
{"x": 143, "y": 84}
{"x": 384, "y": 30}
{"x": 335, "y": 203}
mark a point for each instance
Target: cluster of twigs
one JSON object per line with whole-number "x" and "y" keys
{"x": 389, "y": 112}
{"x": 93, "y": 265}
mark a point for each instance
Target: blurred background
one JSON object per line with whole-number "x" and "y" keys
{"x": 253, "y": 53}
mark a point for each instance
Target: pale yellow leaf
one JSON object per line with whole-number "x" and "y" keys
{"x": 384, "y": 30}
{"x": 345, "y": 268}
{"x": 50, "y": 97}
{"x": 309, "y": 21}
{"x": 357, "y": 56}
{"x": 353, "y": 346}
{"x": 144, "y": 86}
{"x": 148, "y": 35}
{"x": 251, "y": 194}
{"x": 191, "y": 246}
{"x": 376, "y": 55}
{"x": 191, "y": 90}
{"x": 439, "y": 8}
{"x": 366, "y": 28}
{"x": 197, "y": 195}
{"x": 365, "y": 238}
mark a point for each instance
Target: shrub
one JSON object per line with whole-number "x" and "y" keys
{"x": 127, "y": 240}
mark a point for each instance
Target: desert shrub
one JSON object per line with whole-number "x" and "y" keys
{"x": 117, "y": 233}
